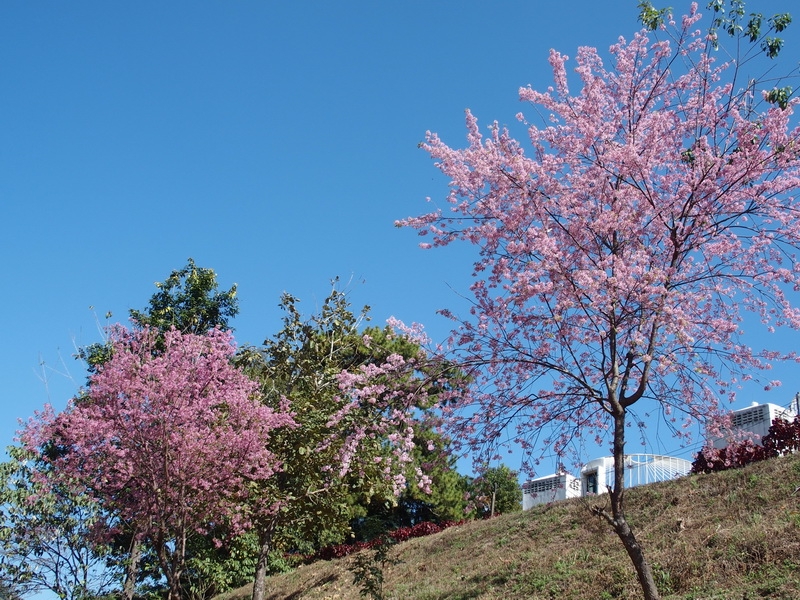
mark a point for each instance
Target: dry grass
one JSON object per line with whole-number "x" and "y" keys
{"x": 731, "y": 535}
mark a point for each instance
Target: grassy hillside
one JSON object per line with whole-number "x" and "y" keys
{"x": 731, "y": 535}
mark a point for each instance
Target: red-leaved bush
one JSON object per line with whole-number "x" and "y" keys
{"x": 782, "y": 438}
{"x": 401, "y": 534}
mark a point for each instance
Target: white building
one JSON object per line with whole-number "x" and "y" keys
{"x": 550, "y": 488}
{"x": 598, "y": 474}
{"x": 640, "y": 469}
{"x": 752, "y": 423}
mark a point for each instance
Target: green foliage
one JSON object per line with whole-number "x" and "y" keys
{"x": 446, "y": 501}
{"x": 498, "y": 489}
{"x": 649, "y": 16}
{"x": 8, "y": 591}
{"x": 94, "y": 355}
{"x": 300, "y": 367}
{"x": 212, "y": 569}
{"x": 43, "y": 535}
{"x": 730, "y": 17}
{"x": 772, "y": 47}
{"x": 190, "y": 301}
{"x": 300, "y": 364}
{"x": 780, "y": 96}
{"x": 368, "y": 568}
{"x": 780, "y": 22}
{"x": 447, "y": 498}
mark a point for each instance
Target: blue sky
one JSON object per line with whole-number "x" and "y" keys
{"x": 275, "y": 142}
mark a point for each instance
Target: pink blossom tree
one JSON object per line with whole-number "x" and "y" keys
{"x": 169, "y": 438}
{"x": 619, "y": 253}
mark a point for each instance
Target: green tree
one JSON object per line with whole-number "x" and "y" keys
{"x": 496, "y": 491}
{"x": 445, "y": 501}
{"x": 316, "y": 493}
{"x": 44, "y": 530}
{"x": 189, "y": 300}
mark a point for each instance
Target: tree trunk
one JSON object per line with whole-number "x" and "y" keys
{"x": 636, "y": 554}
{"x": 169, "y": 567}
{"x": 617, "y": 516}
{"x": 132, "y": 569}
{"x": 265, "y": 545}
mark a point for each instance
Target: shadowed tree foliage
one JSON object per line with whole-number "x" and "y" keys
{"x": 446, "y": 501}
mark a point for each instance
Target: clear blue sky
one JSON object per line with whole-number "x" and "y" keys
{"x": 275, "y": 142}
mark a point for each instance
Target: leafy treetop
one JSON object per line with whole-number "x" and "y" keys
{"x": 356, "y": 396}
{"x": 190, "y": 301}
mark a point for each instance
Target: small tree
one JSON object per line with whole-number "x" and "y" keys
{"x": 369, "y": 566}
{"x": 496, "y": 491}
{"x": 169, "y": 439}
{"x": 45, "y": 532}
{"x": 618, "y": 256}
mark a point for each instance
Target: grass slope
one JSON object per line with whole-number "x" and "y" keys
{"x": 730, "y": 535}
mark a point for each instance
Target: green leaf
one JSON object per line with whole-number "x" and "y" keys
{"x": 649, "y": 16}
{"x": 753, "y": 30}
{"x": 772, "y": 46}
{"x": 780, "y": 22}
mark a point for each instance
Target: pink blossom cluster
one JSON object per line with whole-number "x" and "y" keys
{"x": 392, "y": 393}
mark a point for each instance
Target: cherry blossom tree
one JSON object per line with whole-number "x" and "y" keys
{"x": 621, "y": 251}
{"x": 169, "y": 438}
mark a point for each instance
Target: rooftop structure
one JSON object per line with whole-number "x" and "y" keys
{"x": 598, "y": 474}
{"x": 550, "y": 488}
{"x": 752, "y": 423}
{"x": 640, "y": 469}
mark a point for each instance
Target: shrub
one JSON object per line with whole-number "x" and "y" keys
{"x": 782, "y": 438}
{"x": 401, "y": 534}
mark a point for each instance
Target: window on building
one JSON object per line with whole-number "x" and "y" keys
{"x": 591, "y": 482}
